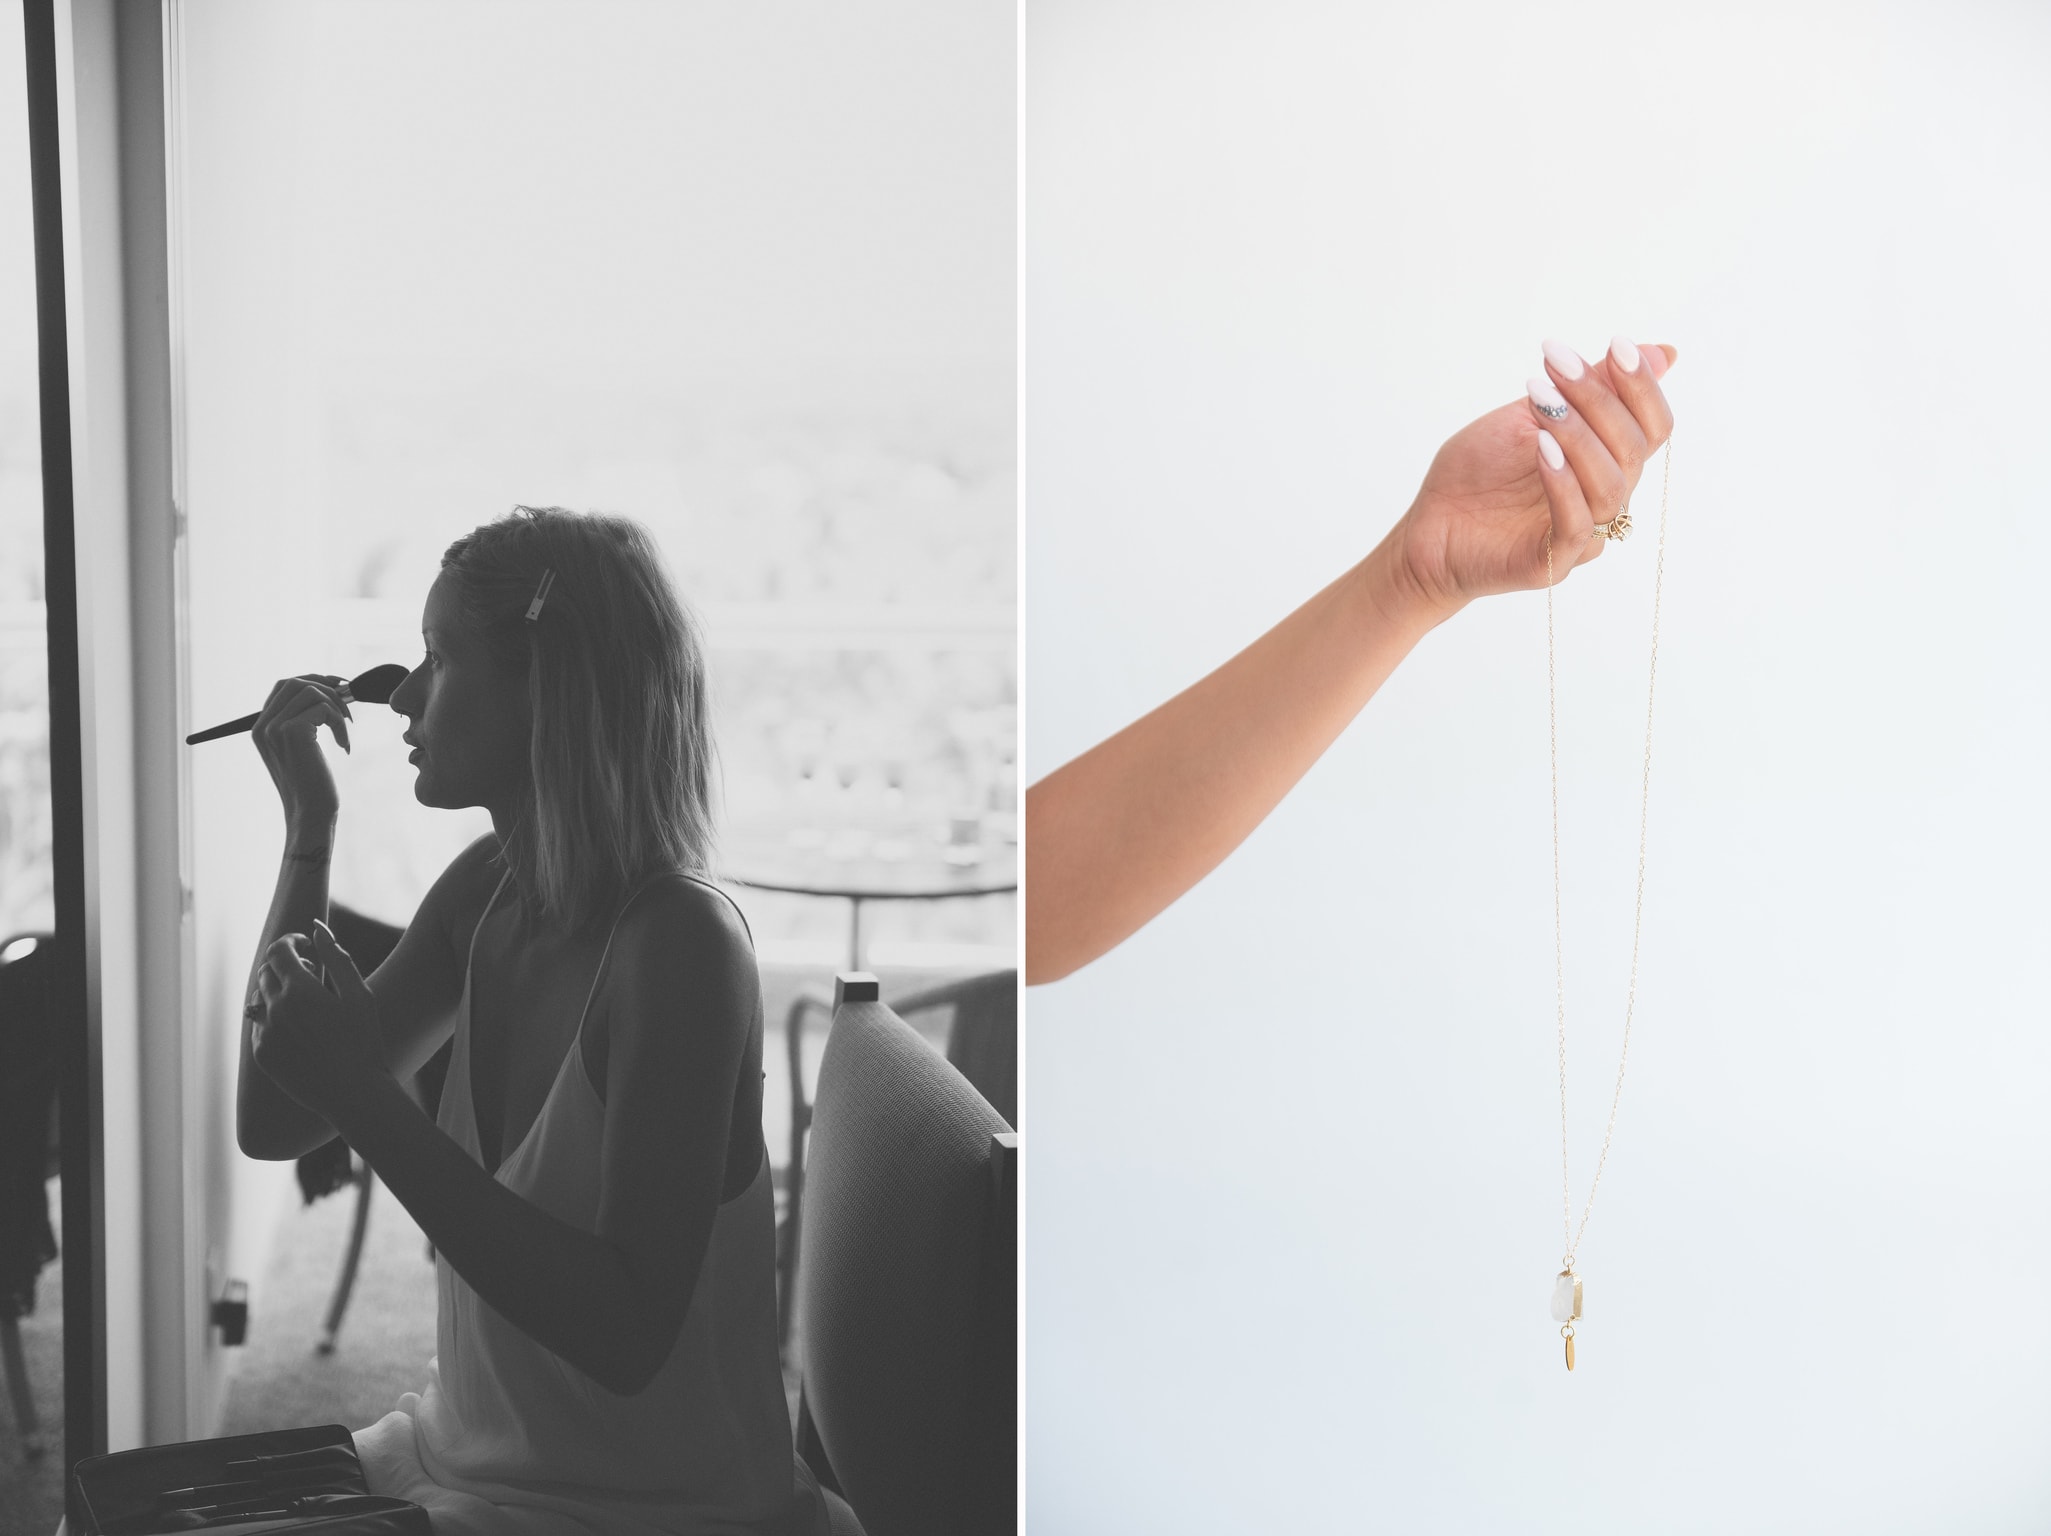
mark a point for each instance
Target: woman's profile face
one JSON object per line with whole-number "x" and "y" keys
{"x": 468, "y": 719}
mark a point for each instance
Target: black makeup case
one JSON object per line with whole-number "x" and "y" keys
{"x": 297, "y": 1480}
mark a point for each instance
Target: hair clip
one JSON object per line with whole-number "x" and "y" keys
{"x": 541, "y": 594}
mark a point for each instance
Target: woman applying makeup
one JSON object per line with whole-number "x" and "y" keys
{"x": 595, "y": 1185}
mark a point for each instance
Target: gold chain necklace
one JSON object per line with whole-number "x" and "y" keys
{"x": 1567, "y": 1292}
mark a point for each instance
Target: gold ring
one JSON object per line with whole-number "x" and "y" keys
{"x": 1617, "y": 527}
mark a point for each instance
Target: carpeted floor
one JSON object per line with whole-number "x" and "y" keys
{"x": 387, "y": 1336}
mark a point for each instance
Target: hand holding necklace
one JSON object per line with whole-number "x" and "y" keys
{"x": 1565, "y": 457}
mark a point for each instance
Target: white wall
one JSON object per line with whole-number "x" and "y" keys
{"x": 1294, "y": 1203}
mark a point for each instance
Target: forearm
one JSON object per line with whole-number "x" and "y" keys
{"x": 570, "y": 1291}
{"x": 269, "y": 1123}
{"x": 1119, "y": 833}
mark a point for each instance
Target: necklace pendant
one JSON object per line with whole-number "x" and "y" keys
{"x": 1566, "y": 1308}
{"x": 1566, "y": 1298}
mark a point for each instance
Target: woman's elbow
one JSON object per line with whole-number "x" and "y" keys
{"x": 625, "y": 1378}
{"x": 639, "y": 1358}
{"x": 255, "y": 1146}
{"x": 269, "y": 1143}
{"x": 250, "y": 1139}
{"x": 631, "y": 1382}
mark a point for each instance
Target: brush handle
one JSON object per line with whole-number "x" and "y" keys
{"x": 376, "y": 687}
{"x": 215, "y": 731}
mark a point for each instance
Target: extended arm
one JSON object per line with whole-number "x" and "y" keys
{"x": 1119, "y": 833}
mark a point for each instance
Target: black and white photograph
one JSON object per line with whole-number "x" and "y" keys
{"x": 509, "y": 874}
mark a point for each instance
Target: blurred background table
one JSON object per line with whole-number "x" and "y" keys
{"x": 907, "y": 869}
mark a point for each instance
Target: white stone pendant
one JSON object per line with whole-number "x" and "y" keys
{"x": 1566, "y": 1298}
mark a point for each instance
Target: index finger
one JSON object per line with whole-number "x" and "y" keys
{"x": 285, "y": 949}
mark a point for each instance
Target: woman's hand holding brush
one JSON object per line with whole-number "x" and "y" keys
{"x": 284, "y": 730}
{"x": 285, "y": 736}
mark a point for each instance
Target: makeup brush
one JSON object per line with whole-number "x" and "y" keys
{"x": 374, "y": 687}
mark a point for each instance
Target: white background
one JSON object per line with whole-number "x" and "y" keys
{"x": 1294, "y": 1203}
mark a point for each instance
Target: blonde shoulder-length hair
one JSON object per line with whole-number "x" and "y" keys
{"x": 621, "y": 757}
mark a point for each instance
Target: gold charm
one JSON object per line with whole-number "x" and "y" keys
{"x": 1567, "y": 1333}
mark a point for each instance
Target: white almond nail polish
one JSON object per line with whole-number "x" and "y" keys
{"x": 1563, "y": 357}
{"x": 1625, "y": 351}
{"x": 1550, "y": 402}
{"x": 1549, "y": 447}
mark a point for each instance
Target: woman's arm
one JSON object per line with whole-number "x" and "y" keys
{"x": 677, "y": 1034}
{"x": 1117, "y": 834}
{"x": 575, "y": 1293}
{"x": 681, "y": 1001}
{"x": 269, "y": 1123}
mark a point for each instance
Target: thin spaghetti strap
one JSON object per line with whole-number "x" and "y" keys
{"x": 471, "y": 954}
{"x": 599, "y": 974}
{"x": 699, "y": 879}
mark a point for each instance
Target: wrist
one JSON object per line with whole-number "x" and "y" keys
{"x": 1387, "y": 583}
{"x": 310, "y": 833}
{"x": 358, "y": 1100}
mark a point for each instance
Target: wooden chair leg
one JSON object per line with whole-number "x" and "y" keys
{"x": 18, "y": 1389}
{"x": 346, "y": 1282}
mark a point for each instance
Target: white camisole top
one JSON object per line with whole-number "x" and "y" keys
{"x": 508, "y": 1437}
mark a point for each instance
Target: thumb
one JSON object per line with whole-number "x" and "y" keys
{"x": 1662, "y": 357}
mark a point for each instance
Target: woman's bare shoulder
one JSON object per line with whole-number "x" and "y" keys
{"x": 478, "y": 863}
{"x": 678, "y": 938}
{"x": 674, "y": 908}
{"x": 463, "y": 889}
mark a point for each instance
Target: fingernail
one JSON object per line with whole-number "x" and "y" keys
{"x": 1563, "y": 357}
{"x": 1549, "y": 446}
{"x": 1625, "y": 352}
{"x": 1550, "y": 402}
